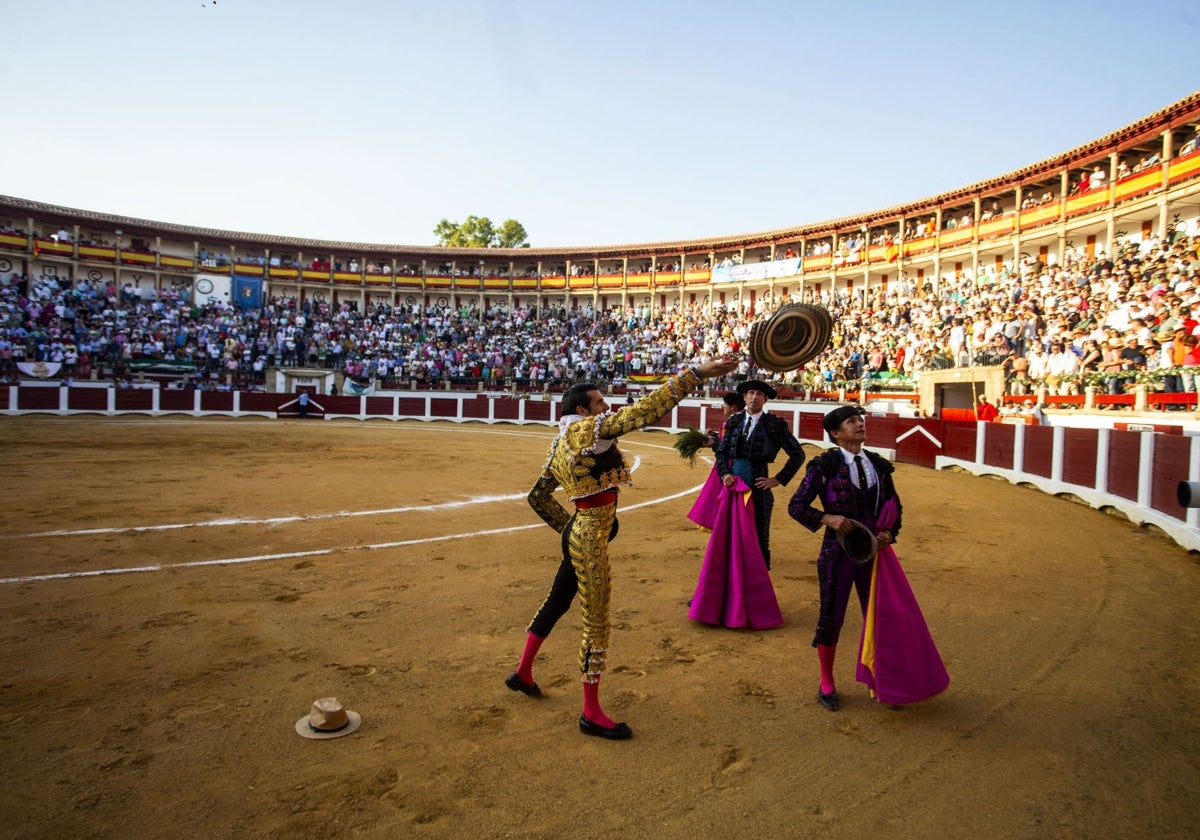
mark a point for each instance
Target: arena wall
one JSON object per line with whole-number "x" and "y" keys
{"x": 1132, "y": 472}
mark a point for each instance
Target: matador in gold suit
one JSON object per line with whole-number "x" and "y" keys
{"x": 584, "y": 460}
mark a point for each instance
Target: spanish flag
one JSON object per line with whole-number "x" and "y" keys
{"x": 893, "y": 252}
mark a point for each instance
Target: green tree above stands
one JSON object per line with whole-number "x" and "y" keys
{"x": 479, "y": 232}
{"x": 511, "y": 234}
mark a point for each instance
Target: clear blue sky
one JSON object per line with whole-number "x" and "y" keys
{"x": 590, "y": 123}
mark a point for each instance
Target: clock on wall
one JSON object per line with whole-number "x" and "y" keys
{"x": 204, "y": 286}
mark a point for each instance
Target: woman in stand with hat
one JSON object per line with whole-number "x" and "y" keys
{"x": 853, "y": 485}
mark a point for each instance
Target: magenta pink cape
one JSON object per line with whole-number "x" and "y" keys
{"x": 704, "y": 510}
{"x": 897, "y": 658}
{"x": 734, "y": 589}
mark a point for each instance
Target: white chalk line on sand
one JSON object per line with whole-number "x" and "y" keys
{"x": 317, "y": 552}
{"x": 273, "y": 520}
{"x": 279, "y": 520}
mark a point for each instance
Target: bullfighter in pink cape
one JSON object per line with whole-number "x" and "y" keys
{"x": 897, "y": 660}
{"x": 704, "y": 511}
{"x": 749, "y": 446}
{"x": 734, "y": 589}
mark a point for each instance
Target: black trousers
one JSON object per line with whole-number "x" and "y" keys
{"x": 764, "y": 504}
{"x": 562, "y": 593}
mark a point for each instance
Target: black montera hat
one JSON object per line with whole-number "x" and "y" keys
{"x": 860, "y": 543}
{"x": 756, "y": 385}
{"x": 839, "y": 416}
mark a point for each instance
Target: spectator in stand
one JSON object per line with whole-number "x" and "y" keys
{"x": 1089, "y": 361}
{"x": 1018, "y": 375}
{"x": 1039, "y": 363}
{"x": 1133, "y": 356}
{"x": 1061, "y": 369}
{"x": 1112, "y": 364}
{"x": 985, "y": 412}
{"x": 1191, "y": 360}
{"x": 1156, "y": 360}
{"x": 1034, "y": 411}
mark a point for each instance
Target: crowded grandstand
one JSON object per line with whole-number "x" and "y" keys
{"x": 1074, "y": 276}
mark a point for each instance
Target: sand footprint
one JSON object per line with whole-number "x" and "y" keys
{"x": 733, "y": 763}
{"x": 356, "y": 670}
{"x": 755, "y": 691}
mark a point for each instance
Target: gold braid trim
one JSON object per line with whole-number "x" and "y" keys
{"x": 541, "y": 499}
{"x": 650, "y": 408}
{"x": 572, "y": 457}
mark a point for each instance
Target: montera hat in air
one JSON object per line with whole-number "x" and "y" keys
{"x": 756, "y": 385}
{"x": 793, "y": 336}
{"x": 860, "y": 543}
{"x": 840, "y": 415}
{"x": 327, "y": 719}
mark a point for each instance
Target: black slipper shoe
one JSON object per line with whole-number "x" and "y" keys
{"x": 619, "y": 732}
{"x": 515, "y": 682}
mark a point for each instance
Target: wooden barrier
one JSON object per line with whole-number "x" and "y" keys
{"x": 1133, "y": 467}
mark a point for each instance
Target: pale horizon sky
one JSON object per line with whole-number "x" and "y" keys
{"x": 592, "y": 124}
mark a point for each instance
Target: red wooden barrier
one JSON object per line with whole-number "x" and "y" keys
{"x": 87, "y": 399}
{"x": 1169, "y": 466}
{"x": 959, "y": 441}
{"x": 507, "y": 409}
{"x": 172, "y": 400}
{"x": 477, "y": 409}
{"x": 1039, "y": 450}
{"x": 998, "y": 445}
{"x": 134, "y": 399}
{"x": 216, "y": 401}
{"x": 1124, "y": 453}
{"x": 1079, "y": 456}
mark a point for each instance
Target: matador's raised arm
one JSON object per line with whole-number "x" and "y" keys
{"x": 541, "y": 499}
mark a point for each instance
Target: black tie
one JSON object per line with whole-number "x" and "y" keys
{"x": 749, "y": 427}
{"x": 862, "y": 473}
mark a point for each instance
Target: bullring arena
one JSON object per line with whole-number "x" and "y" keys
{"x": 186, "y": 568}
{"x": 167, "y": 619}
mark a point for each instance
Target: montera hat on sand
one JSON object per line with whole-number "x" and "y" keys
{"x": 839, "y": 416}
{"x": 860, "y": 543}
{"x": 793, "y": 336}
{"x": 327, "y": 719}
{"x": 756, "y": 385}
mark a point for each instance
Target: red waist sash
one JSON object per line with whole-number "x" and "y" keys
{"x": 605, "y": 497}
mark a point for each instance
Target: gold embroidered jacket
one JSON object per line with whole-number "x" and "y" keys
{"x": 573, "y": 462}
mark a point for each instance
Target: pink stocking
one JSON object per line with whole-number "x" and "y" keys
{"x": 532, "y": 645}
{"x": 591, "y": 705}
{"x": 825, "y": 654}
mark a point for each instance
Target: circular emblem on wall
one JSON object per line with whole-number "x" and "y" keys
{"x": 319, "y": 297}
{"x": 5, "y": 265}
{"x": 204, "y": 286}
{"x": 95, "y": 274}
{"x": 442, "y": 301}
{"x": 410, "y": 300}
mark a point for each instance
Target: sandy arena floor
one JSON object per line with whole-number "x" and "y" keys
{"x": 265, "y": 564}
